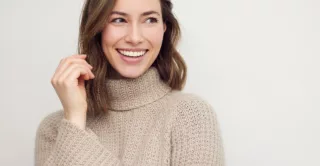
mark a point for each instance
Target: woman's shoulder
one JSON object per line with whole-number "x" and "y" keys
{"x": 187, "y": 98}
{"x": 191, "y": 104}
{"x": 192, "y": 112}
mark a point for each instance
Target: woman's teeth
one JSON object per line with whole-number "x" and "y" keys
{"x": 132, "y": 53}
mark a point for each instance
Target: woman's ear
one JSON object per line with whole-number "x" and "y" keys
{"x": 164, "y": 27}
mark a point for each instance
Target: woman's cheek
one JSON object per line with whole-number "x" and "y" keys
{"x": 113, "y": 34}
{"x": 155, "y": 35}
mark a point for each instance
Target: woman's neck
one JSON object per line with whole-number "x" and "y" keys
{"x": 126, "y": 94}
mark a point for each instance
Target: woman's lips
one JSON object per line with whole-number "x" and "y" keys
{"x": 132, "y": 57}
{"x": 131, "y": 53}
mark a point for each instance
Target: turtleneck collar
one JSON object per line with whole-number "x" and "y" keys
{"x": 126, "y": 94}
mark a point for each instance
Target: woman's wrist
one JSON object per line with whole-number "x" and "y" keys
{"x": 78, "y": 119}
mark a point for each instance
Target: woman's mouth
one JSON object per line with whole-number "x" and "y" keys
{"x": 131, "y": 56}
{"x": 132, "y": 53}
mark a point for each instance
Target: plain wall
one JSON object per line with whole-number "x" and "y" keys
{"x": 256, "y": 61}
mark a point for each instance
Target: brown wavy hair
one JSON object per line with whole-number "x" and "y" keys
{"x": 169, "y": 63}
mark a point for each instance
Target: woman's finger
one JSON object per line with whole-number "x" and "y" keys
{"x": 69, "y": 61}
{"x": 84, "y": 71}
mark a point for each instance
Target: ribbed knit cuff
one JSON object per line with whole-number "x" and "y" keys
{"x": 75, "y": 146}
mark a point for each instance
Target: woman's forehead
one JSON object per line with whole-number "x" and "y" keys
{"x": 137, "y": 6}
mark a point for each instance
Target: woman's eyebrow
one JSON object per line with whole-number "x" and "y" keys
{"x": 150, "y": 12}
{"x": 119, "y": 13}
{"x": 143, "y": 14}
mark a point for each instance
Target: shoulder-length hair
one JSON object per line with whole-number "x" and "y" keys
{"x": 169, "y": 63}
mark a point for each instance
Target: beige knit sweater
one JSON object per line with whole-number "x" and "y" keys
{"x": 148, "y": 124}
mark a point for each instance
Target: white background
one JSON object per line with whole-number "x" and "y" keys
{"x": 256, "y": 61}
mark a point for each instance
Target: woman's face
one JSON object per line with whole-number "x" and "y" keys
{"x": 132, "y": 37}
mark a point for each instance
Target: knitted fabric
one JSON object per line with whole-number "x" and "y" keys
{"x": 147, "y": 124}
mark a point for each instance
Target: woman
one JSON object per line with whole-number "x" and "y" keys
{"x": 121, "y": 97}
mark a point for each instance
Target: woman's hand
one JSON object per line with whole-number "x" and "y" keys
{"x": 68, "y": 82}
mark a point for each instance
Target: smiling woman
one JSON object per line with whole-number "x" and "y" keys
{"x": 133, "y": 36}
{"x": 121, "y": 95}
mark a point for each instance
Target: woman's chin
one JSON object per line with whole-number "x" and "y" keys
{"x": 131, "y": 71}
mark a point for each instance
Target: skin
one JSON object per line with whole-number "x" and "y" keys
{"x": 134, "y": 25}
{"x": 68, "y": 82}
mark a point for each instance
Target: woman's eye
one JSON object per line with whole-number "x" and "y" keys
{"x": 118, "y": 20}
{"x": 152, "y": 20}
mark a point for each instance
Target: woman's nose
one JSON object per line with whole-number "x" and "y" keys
{"x": 134, "y": 35}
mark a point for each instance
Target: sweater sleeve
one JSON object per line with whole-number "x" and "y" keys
{"x": 60, "y": 142}
{"x": 196, "y": 137}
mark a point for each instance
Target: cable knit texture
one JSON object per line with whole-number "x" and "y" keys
{"x": 147, "y": 124}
